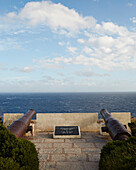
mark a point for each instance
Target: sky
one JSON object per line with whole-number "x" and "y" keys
{"x": 67, "y": 46}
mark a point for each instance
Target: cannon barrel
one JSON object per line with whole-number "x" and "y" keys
{"x": 116, "y": 130}
{"x": 19, "y": 127}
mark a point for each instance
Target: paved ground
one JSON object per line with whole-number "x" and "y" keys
{"x": 69, "y": 154}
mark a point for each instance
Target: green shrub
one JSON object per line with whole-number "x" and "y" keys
{"x": 20, "y": 152}
{"x": 132, "y": 126}
{"x": 8, "y": 164}
{"x": 27, "y": 156}
{"x": 119, "y": 155}
{"x": 0, "y": 120}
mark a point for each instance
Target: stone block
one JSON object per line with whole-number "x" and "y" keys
{"x": 94, "y": 157}
{"x": 91, "y": 166}
{"x": 69, "y": 166}
{"x": 75, "y": 140}
{"x": 72, "y": 150}
{"x": 50, "y": 150}
{"x": 43, "y": 145}
{"x": 84, "y": 145}
{"x": 58, "y": 157}
{"x": 43, "y": 157}
{"x": 9, "y": 118}
{"x": 47, "y": 166}
{"x": 86, "y": 121}
{"x": 63, "y": 145}
{"x": 76, "y": 157}
{"x": 100, "y": 145}
{"x": 123, "y": 117}
{"x": 91, "y": 150}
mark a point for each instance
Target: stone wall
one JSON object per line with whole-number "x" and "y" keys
{"x": 123, "y": 117}
{"x": 86, "y": 121}
{"x": 9, "y": 118}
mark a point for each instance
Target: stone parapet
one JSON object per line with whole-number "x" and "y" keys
{"x": 9, "y": 118}
{"x": 123, "y": 117}
{"x": 86, "y": 121}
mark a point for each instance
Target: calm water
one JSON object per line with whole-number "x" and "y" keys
{"x": 67, "y": 102}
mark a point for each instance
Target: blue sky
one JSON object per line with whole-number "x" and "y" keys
{"x": 67, "y": 45}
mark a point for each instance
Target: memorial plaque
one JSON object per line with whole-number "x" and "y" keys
{"x": 66, "y": 132}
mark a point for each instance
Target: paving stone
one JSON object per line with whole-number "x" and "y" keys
{"x": 69, "y": 154}
{"x": 48, "y": 140}
{"x": 100, "y": 145}
{"x": 91, "y": 165}
{"x": 84, "y": 145}
{"x": 91, "y": 150}
{"x": 75, "y": 140}
{"x": 87, "y": 135}
{"x": 35, "y": 140}
{"x": 50, "y": 150}
{"x": 72, "y": 150}
{"x": 76, "y": 157}
{"x": 98, "y": 136}
{"x": 44, "y": 157}
{"x": 47, "y": 166}
{"x": 54, "y": 140}
{"x": 44, "y": 135}
{"x": 58, "y": 157}
{"x": 69, "y": 166}
{"x": 97, "y": 140}
{"x": 63, "y": 145}
{"x": 43, "y": 145}
{"x": 94, "y": 157}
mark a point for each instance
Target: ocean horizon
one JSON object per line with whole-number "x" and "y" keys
{"x": 66, "y": 102}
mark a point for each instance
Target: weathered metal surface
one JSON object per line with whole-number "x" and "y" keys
{"x": 116, "y": 130}
{"x": 19, "y": 127}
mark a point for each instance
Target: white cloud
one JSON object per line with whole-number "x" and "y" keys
{"x": 19, "y": 32}
{"x": 130, "y": 4}
{"x": 90, "y": 73}
{"x": 3, "y": 66}
{"x": 107, "y": 45}
{"x": 27, "y": 69}
{"x": 61, "y": 43}
{"x": 88, "y": 50}
{"x": 24, "y": 70}
{"x": 111, "y": 29}
{"x": 8, "y": 43}
{"x": 133, "y": 19}
{"x": 80, "y": 40}
{"x": 50, "y": 81}
{"x": 56, "y": 16}
{"x": 11, "y": 15}
{"x": 72, "y": 49}
{"x": 105, "y": 51}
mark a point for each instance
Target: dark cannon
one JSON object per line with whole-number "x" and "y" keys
{"x": 19, "y": 127}
{"x": 116, "y": 130}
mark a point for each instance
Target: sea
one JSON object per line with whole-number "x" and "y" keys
{"x": 68, "y": 102}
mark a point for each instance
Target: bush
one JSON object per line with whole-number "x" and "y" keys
{"x": 119, "y": 155}
{"x": 8, "y": 163}
{"x": 132, "y": 126}
{"x": 18, "y": 152}
{"x": 0, "y": 120}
